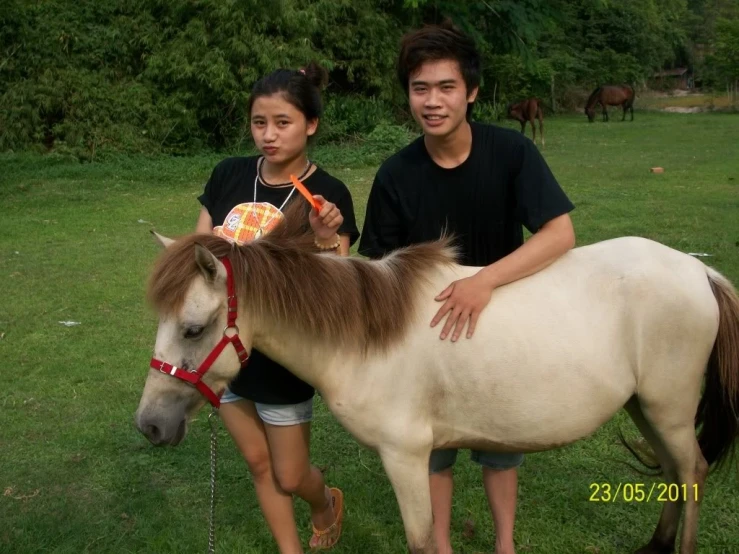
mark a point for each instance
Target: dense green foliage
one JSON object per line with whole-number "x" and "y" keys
{"x": 173, "y": 76}
{"x": 713, "y": 40}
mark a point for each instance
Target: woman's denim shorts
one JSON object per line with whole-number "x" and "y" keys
{"x": 277, "y": 414}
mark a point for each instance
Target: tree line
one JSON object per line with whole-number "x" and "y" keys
{"x": 173, "y": 75}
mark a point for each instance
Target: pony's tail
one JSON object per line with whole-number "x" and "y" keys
{"x": 717, "y": 414}
{"x": 644, "y": 455}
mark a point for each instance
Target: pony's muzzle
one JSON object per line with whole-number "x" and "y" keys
{"x": 161, "y": 430}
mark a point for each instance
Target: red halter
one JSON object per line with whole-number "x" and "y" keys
{"x": 194, "y": 377}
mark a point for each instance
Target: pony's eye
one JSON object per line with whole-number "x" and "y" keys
{"x": 193, "y": 332}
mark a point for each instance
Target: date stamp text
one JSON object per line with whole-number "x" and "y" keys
{"x": 642, "y": 492}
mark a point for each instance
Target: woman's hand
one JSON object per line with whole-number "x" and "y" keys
{"x": 327, "y": 221}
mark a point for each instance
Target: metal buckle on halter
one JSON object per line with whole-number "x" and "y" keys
{"x": 227, "y": 327}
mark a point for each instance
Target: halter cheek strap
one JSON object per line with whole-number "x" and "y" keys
{"x": 195, "y": 377}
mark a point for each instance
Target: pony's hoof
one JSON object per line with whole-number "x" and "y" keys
{"x": 656, "y": 548}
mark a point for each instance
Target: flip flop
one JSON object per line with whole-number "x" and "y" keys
{"x": 333, "y": 530}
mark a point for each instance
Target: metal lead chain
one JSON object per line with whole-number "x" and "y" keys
{"x": 213, "y": 452}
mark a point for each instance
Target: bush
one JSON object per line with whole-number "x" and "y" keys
{"x": 352, "y": 116}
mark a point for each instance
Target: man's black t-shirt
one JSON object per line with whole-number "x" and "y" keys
{"x": 232, "y": 183}
{"x": 503, "y": 185}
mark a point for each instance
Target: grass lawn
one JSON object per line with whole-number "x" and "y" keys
{"x": 75, "y": 246}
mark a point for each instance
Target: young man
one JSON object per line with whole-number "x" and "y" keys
{"x": 482, "y": 183}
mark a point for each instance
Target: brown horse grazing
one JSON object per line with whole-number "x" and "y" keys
{"x": 528, "y": 110}
{"x": 611, "y": 95}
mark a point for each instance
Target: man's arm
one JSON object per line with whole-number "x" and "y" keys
{"x": 554, "y": 239}
{"x": 543, "y": 207}
{"x": 466, "y": 298}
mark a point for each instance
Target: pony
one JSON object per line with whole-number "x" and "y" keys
{"x": 623, "y": 323}
{"x": 526, "y": 111}
{"x": 611, "y": 95}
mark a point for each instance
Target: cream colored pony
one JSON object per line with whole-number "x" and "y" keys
{"x": 625, "y": 323}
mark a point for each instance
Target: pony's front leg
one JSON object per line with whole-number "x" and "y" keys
{"x": 409, "y": 475}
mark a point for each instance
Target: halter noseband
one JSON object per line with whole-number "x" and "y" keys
{"x": 194, "y": 377}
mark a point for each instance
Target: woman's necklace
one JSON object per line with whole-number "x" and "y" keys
{"x": 308, "y": 166}
{"x": 258, "y": 178}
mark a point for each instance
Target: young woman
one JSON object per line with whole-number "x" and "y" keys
{"x": 266, "y": 409}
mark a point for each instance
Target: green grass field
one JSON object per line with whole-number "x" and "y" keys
{"x": 75, "y": 246}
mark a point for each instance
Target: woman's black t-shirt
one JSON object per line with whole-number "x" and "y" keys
{"x": 231, "y": 184}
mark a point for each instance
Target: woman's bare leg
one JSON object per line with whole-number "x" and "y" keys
{"x": 247, "y": 429}
{"x": 290, "y": 449}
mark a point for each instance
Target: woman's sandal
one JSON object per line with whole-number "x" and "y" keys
{"x": 333, "y": 530}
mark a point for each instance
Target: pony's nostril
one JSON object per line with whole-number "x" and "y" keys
{"x": 153, "y": 433}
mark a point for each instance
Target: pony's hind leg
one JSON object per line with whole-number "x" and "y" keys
{"x": 664, "y": 536}
{"x": 692, "y": 469}
{"x": 692, "y": 495}
{"x": 672, "y": 437}
{"x": 409, "y": 475}
{"x": 541, "y": 126}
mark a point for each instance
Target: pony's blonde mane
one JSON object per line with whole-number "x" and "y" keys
{"x": 283, "y": 278}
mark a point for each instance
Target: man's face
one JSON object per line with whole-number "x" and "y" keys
{"x": 438, "y": 97}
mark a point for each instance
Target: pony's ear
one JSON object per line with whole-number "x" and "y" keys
{"x": 208, "y": 264}
{"x": 163, "y": 241}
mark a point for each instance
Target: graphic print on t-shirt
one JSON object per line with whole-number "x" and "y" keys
{"x": 249, "y": 221}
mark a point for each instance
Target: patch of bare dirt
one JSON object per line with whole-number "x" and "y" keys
{"x": 681, "y": 109}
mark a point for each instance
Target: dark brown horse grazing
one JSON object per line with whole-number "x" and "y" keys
{"x": 611, "y": 95}
{"x": 528, "y": 110}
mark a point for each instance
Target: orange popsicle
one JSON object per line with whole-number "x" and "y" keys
{"x": 304, "y": 191}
